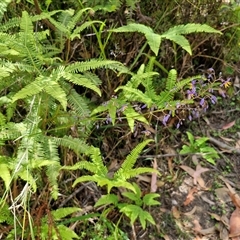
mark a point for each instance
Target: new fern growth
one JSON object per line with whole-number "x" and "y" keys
{"x": 100, "y": 172}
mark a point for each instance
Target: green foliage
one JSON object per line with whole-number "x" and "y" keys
{"x": 129, "y": 93}
{"x": 5, "y": 214}
{"x": 132, "y": 211}
{"x": 3, "y": 7}
{"x": 174, "y": 34}
{"x": 110, "y": 6}
{"x": 50, "y": 225}
{"x": 200, "y": 146}
{"x": 100, "y": 171}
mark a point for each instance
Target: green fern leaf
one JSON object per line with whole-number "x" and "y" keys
{"x": 26, "y": 175}
{"x": 174, "y": 34}
{"x": 5, "y": 174}
{"x": 137, "y": 171}
{"x": 190, "y": 28}
{"x": 86, "y": 178}
{"x": 106, "y": 200}
{"x": 82, "y": 81}
{"x": 78, "y": 103}
{"x": 171, "y": 81}
{"x": 131, "y": 159}
{"x": 133, "y": 116}
{"x": 63, "y": 212}
{"x": 55, "y": 90}
{"x": 153, "y": 39}
{"x": 135, "y": 95}
{"x": 77, "y": 145}
{"x": 66, "y": 233}
{"x": 78, "y": 30}
{"x": 94, "y": 64}
{"x": 3, "y": 7}
{"x": 30, "y": 90}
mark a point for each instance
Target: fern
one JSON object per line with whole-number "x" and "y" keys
{"x": 174, "y": 34}
{"x": 100, "y": 172}
{"x": 127, "y": 166}
{"x": 48, "y": 231}
{"x": 3, "y": 7}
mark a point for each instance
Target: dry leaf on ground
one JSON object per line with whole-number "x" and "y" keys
{"x": 154, "y": 177}
{"x": 190, "y": 196}
{"x": 228, "y": 125}
{"x": 235, "y": 225}
{"x": 196, "y": 174}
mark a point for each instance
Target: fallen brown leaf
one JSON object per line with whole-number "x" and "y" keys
{"x": 196, "y": 174}
{"x": 237, "y": 145}
{"x": 176, "y": 214}
{"x": 190, "y": 196}
{"x": 235, "y": 199}
{"x": 228, "y": 125}
{"x": 154, "y": 177}
{"x": 235, "y": 225}
{"x": 223, "y": 194}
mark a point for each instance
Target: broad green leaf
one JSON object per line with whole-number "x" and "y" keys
{"x": 63, "y": 212}
{"x": 107, "y": 200}
{"x": 133, "y": 116}
{"x": 149, "y": 200}
{"x": 5, "y": 175}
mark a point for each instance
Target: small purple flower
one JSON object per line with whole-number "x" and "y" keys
{"x": 108, "y": 119}
{"x": 165, "y": 119}
{"x": 213, "y": 99}
{"x": 179, "y": 124}
{"x": 190, "y": 117}
{"x": 202, "y": 102}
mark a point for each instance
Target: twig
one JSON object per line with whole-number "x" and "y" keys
{"x": 74, "y": 194}
{"x": 223, "y": 145}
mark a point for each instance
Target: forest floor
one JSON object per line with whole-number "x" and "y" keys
{"x": 198, "y": 199}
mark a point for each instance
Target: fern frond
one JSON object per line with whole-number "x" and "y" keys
{"x": 63, "y": 212}
{"x": 96, "y": 157}
{"x": 190, "y": 28}
{"x": 11, "y": 131}
{"x": 82, "y": 81}
{"x": 137, "y": 171}
{"x": 134, "y": 94}
{"x": 78, "y": 103}
{"x": 131, "y": 159}
{"x": 11, "y": 23}
{"x": 5, "y": 173}
{"x": 52, "y": 175}
{"x": 79, "y": 29}
{"x": 77, "y": 145}
{"x": 153, "y": 39}
{"x": 55, "y": 90}
{"x": 31, "y": 89}
{"x": 92, "y": 78}
{"x": 26, "y": 25}
{"x": 94, "y": 64}
{"x": 171, "y": 80}
{"x": 26, "y": 175}
{"x": 3, "y": 7}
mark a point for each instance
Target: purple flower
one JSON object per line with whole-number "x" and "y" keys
{"x": 108, "y": 119}
{"x": 202, "y": 102}
{"x": 179, "y": 124}
{"x": 213, "y": 99}
{"x": 165, "y": 119}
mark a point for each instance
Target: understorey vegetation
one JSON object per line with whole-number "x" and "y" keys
{"x": 93, "y": 94}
